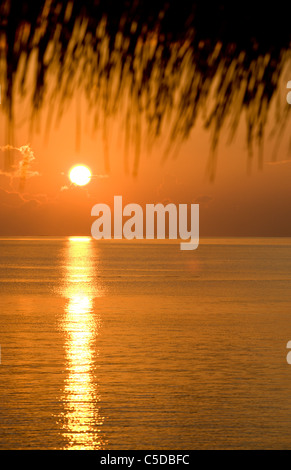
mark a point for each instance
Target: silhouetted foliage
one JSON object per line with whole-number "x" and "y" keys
{"x": 162, "y": 63}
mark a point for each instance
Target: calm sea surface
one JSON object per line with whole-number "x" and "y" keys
{"x": 116, "y": 345}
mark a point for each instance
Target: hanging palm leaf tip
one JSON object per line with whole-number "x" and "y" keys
{"x": 163, "y": 64}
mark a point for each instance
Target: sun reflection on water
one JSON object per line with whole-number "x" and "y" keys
{"x": 81, "y": 420}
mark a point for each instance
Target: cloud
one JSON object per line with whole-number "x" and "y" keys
{"x": 16, "y": 200}
{"x": 22, "y": 169}
{"x": 8, "y": 199}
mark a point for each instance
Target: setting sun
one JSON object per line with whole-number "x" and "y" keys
{"x": 80, "y": 175}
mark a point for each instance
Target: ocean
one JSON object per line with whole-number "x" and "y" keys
{"x": 138, "y": 345}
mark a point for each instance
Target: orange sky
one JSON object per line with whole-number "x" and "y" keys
{"x": 236, "y": 204}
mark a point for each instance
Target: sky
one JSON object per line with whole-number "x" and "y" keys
{"x": 239, "y": 202}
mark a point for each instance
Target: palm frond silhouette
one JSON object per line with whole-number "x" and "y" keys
{"x": 163, "y": 63}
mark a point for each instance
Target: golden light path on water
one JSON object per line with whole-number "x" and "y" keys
{"x": 81, "y": 421}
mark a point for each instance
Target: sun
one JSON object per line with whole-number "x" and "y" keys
{"x": 80, "y": 175}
